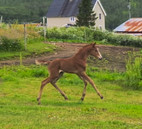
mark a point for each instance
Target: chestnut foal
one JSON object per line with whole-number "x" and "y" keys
{"x": 75, "y": 64}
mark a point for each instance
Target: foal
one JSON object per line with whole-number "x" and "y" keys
{"x": 75, "y": 64}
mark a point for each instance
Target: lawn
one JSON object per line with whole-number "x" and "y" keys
{"x": 19, "y": 85}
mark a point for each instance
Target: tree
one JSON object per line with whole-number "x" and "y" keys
{"x": 86, "y": 16}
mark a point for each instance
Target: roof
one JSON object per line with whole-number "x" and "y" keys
{"x": 66, "y": 8}
{"x": 133, "y": 25}
{"x": 100, "y": 6}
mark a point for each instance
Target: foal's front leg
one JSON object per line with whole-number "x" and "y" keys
{"x": 53, "y": 82}
{"x": 87, "y": 78}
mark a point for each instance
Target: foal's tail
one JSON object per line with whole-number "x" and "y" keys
{"x": 39, "y": 62}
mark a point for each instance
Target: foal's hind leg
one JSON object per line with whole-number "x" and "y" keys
{"x": 53, "y": 83}
{"x": 44, "y": 82}
{"x": 60, "y": 75}
{"x": 62, "y": 93}
{"x": 85, "y": 85}
{"x": 84, "y": 90}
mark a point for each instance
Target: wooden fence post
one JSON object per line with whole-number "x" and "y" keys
{"x": 25, "y": 36}
{"x": 44, "y": 27}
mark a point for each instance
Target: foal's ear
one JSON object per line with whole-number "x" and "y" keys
{"x": 94, "y": 44}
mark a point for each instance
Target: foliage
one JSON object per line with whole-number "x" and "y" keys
{"x": 133, "y": 75}
{"x": 72, "y": 33}
{"x": 117, "y": 39}
{"x": 12, "y": 41}
{"x": 86, "y": 16}
{"x": 19, "y": 86}
{"x": 10, "y": 44}
{"x": 85, "y": 34}
{"x": 117, "y": 11}
{"x": 23, "y": 10}
{"x": 34, "y": 47}
{"x": 32, "y": 11}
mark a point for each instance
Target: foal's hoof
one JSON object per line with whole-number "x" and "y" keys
{"x": 82, "y": 99}
{"x": 38, "y": 101}
{"x": 102, "y": 97}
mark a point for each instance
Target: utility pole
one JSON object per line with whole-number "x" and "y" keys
{"x": 129, "y": 8}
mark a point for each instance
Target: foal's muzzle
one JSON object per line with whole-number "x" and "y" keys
{"x": 100, "y": 58}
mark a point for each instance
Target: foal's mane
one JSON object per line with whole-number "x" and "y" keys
{"x": 85, "y": 47}
{"x": 83, "y": 50}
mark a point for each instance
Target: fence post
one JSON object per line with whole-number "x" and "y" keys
{"x": 85, "y": 35}
{"x": 25, "y": 37}
{"x": 44, "y": 27}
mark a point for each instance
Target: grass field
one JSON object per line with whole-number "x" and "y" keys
{"x": 19, "y": 86}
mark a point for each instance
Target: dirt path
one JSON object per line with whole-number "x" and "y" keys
{"x": 65, "y": 50}
{"x": 114, "y": 57}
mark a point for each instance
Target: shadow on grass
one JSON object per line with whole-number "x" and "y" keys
{"x": 66, "y": 103}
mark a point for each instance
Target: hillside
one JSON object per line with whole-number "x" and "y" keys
{"x": 23, "y": 10}
{"x": 34, "y": 10}
{"x": 117, "y": 11}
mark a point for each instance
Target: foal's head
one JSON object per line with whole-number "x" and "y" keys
{"x": 94, "y": 51}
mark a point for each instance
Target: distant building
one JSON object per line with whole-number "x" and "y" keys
{"x": 132, "y": 26}
{"x": 64, "y": 12}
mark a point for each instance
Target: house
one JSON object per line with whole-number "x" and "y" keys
{"x": 132, "y": 26}
{"x": 64, "y": 12}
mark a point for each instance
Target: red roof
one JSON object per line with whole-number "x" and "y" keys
{"x": 133, "y": 25}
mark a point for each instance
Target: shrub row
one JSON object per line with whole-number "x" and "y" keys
{"x": 72, "y": 33}
{"x": 67, "y": 33}
{"x": 90, "y": 34}
{"x": 117, "y": 39}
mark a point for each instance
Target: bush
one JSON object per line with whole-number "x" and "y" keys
{"x": 117, "y": 39}
{"x": 99, "y": 35}
{"x": 72, "y": 33}
{"x": 10, "y": 44}
{"x": 84, "y": 34}
{"x": 133, "y": 75}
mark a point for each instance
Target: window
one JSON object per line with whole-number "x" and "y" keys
{"x": 72, "y": 19}
{"x": 100, "y": 27}
{"x": 100, "y": 16}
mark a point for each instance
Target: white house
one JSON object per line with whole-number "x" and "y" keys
{"x": 64, "y": 12}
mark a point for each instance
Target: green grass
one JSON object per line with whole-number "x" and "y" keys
{"x": 34, "y": 47}
{"x": 19, "y": 86}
